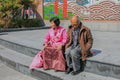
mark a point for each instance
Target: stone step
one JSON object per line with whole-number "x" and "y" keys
{"x": 7, "y": 73}
{"x": 105, "y": 61}
{"x": 20, "y": 44}
{"x": 92, "y": 65}
{"x": 20, "y": 62}
{"x": 22, "y": 48}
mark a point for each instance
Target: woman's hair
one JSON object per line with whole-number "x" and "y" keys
{"x": 55, "y": 20}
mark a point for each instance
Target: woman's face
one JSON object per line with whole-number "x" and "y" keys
{"x": 53, "y": 24}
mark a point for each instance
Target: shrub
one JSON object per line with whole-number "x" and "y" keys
{"x": 18, "y": 23}
{"x": 1, "y": 25}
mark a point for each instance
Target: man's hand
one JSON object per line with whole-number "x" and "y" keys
{"x": 84, "y": 57}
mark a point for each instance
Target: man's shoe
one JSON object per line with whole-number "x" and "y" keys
{"x": 75, "y": 72}
{"x": 68, "y": 70}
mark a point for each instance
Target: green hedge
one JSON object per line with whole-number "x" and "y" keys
{"x": 1, "y": 25}
{"x": 18, "y": 23}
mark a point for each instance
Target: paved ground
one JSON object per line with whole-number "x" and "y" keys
{"x": 7, "y": 73}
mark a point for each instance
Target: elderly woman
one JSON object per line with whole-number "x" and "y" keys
{"x": 51, "y": 57}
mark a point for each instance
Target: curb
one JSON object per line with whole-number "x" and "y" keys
{"x": 23, "y": 29}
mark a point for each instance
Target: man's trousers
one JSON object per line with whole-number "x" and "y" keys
{"x": 73, "y": 56}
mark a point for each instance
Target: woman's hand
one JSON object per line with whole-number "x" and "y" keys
{"x": 59, "y": 47}
{"x": 45, "y": 46}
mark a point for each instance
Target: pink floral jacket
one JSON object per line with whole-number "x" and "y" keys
{"x": 56, "y": 37}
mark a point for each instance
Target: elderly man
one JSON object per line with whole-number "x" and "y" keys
{"x": 78, "y": 46}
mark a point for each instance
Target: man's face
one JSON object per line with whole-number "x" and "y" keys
{"x": 74, "y": 23}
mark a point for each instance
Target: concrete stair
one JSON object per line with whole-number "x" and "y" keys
{"x": 21, "y": 62}
{"x": 18, "y": 55}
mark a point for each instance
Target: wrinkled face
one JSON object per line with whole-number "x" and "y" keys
{"x": 53, "y": 24}
{"x": 74, "y": 23}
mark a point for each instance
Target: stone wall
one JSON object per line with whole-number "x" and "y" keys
{"x": 111, "y": 26}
